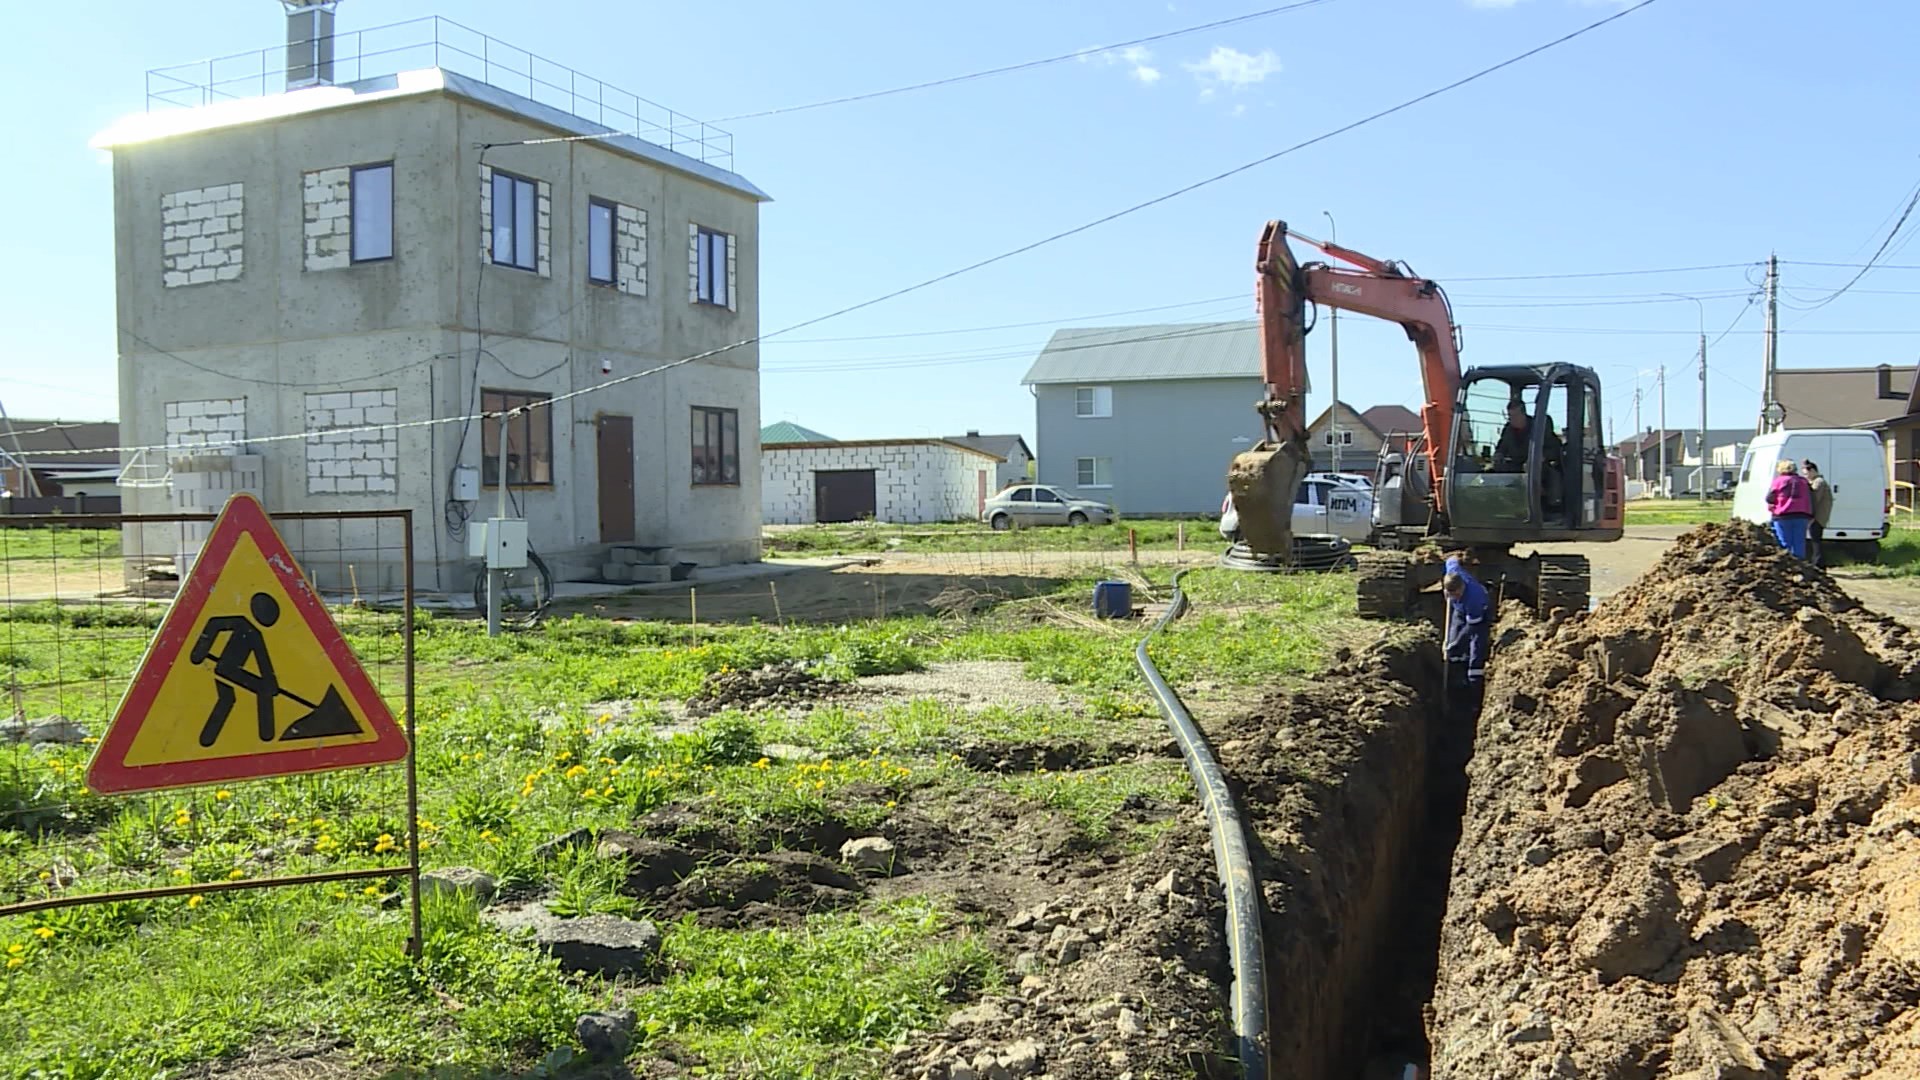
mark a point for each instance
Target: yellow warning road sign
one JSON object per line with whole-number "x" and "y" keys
{"x": 247, "y": 678}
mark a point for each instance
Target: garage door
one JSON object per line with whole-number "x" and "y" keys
{"x": 843, "y": 495}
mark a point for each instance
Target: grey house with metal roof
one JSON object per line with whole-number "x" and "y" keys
{"x": 1146, "y": 418}
{"x": 331, "y": 289}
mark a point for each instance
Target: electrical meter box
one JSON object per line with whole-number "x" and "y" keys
{"x": 466, "y": 484}
{"x": 502, "y": 542}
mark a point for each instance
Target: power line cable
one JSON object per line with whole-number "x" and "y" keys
{"x": 1912, "y": 200}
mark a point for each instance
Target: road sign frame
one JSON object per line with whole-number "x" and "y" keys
{"x": 243, "y": 516}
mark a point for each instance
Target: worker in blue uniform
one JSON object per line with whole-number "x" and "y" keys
{"x": 1469, "y": 633}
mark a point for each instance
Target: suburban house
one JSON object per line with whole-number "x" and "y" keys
{"x": 1397, "y": 425}
{"x": 1684, "y": 455}
{"x": 1146, "y": 418}
{"x": 62, "y": 466}
{"x": 1016, "y": 460}
{"x": 897, "y": 480}
{"x": 330, "y": 293}
{"x": 1360, "y": 441}
{"x": 1901, "y": 436}
{"x": 1840, "y": 397}
{"x": 786, "y": 431}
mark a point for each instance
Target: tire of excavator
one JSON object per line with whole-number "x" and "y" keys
{"x": 1566, "y": 582}
{"x": 1380, "y": 584}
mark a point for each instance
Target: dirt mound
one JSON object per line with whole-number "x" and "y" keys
{"x": 787, "y": 683}
{"x": 1691, "y": 835}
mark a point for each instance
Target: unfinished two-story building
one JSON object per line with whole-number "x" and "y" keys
{"x": 324, "y": 283}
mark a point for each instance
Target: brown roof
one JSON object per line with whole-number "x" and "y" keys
{"x": 30, "y": 437}
{"x": 1842, "y": 397}
{"x": 1392, "y": 420}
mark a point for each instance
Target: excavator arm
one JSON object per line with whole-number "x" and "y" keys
{"x": 1263, "y": 480}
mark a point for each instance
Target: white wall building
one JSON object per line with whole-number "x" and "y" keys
{"x": 897, "y": 480}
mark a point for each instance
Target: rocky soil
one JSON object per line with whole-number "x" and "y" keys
{"x": 1692, "y": 840}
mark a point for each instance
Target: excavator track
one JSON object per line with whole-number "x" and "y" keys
{"x": 1565, "y": 583}
{"x": 1382, "y": 583}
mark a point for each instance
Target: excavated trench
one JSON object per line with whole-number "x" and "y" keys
{"x": 1354, "y": 790}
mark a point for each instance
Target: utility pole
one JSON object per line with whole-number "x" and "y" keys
{"x": 1771, "y": 354}
{"x": 1703, "y": 412}
{"x": 1663, "y": 429}
{"x": 1639, "y": 444}
{"x": 1333, "y": 428}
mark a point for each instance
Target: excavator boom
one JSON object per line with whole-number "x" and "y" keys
{"x": 1263, "y": 480}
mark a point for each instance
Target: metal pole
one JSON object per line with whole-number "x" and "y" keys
{"x": 1703, "y": 413}
{"x": 1663, "y": 429}
{"x": 1639, "y": 443}
{"x": 415, "y": 941}
{"x": 1770, "y": 356}
{"x": 496, "y": 579}
{"x": 1333, "y": 431}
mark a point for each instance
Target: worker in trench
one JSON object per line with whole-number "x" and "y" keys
{"x": 1469, "y": 633}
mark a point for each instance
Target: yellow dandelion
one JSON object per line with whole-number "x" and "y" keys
{"x": 325, "y": 843}
{"x": 565, "y": 755}
{"x": 195, "y": 900}
{"x": 819, "y": 784}
{"x": 371, "y": 890}
{"x": 384, "y": 843}
{"x": 319, "y": 823}
{"x": 605, "y": 716}
{"x": 576, "y": 772}
{"x": 223, "y": 795}
{"x": 236, "y": 874}
{"x": 588, "y": 793}
{"x": 16, "y": 949}
{"x": 339, "y": 894}
{"x": 891, "y": 804}
{"x": 14, "y": 962}
{"x": 46, "y": 875}
{"x": 762, "y": 764}
{"x": 608, "y": 761}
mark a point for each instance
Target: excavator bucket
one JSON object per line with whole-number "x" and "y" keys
{"x": 1263, "y": 482}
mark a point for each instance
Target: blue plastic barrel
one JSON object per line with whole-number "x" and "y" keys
{"x": 1113, "y": 600}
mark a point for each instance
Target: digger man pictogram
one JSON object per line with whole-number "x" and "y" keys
{"x": 242, "y": 663}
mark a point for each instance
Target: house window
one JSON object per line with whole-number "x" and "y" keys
{"x": 600, "y": 217}
{"x": 1093, "y": 472}
{"x": 529, "y": 438}
{"x": 371, "y": 209}
{"x": 1093, "y": 401}
{"x": 716, "y": 446}
{"x": 710, "y": 272}
{"x": 515, "y": 221}
{"x": 1346, "y": 438}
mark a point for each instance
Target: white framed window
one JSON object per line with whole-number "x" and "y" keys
{"x": 515, "y": 221}
{"x": 371, "y": 211}
{"x": 1346, "y": 438}
{"x": 600, "y": 219}
{"x": 1093, "y": 472}
{"x": 1093, "y": 401}
{"x": 710, "y": 274}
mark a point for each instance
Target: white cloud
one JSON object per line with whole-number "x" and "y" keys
{"x": 1229, "y": 67}
{"x": 1135, "y": 57}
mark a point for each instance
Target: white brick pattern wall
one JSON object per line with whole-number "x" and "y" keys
{"x": 353, "y": 462}
{"x": 913, "y": 483}
{"x": 693, "y": 268}
{"x": 630, "y": 249}
{"x": 543, "y": 227}
{"x": 207, "y": 422}
{"x": 202, "y": 236}
{"x": 327, "y": 195}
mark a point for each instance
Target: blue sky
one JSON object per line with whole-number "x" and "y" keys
{"x": 1692, "y": 132}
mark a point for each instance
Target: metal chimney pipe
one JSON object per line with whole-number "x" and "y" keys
{"x": 309, "y": 42}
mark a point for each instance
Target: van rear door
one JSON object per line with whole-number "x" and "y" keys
{"x": 1857, "y": 469}
{"x": 1756, "y": 478}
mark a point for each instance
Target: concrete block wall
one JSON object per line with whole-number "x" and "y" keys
{"x": 353, "y": 462}
{"x": 202, "y": 483}
{"x": 327, "y": 198}
{"x": 543, "y": 225}
{"x": 202, "y": 235}
{"x": 630, "y": 249}
{"x": 913, "y": 482}
{"x": 206, "y": 422}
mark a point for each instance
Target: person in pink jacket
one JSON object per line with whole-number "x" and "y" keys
{"x": 1790, "y": 501}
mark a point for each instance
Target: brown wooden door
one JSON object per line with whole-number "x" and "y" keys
{"x": 613, "y": 442}
{"x": 843, "y": 495}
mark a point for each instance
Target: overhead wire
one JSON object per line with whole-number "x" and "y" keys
{"x": 1912, "y": 200}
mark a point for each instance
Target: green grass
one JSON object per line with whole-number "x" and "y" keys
{"x": 526, "y": 737}
{"x": 1676, "y": 512}
{"x": 877, "y": 537}
{"x": 1899, "y": 555}
{"x": 53, "y": 542}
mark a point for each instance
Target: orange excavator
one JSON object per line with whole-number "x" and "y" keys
{"x": 1507, "y": 455}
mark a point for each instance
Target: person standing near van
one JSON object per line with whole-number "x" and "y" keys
{"x": 1822, "y": 510}
{"x": 1790, "y": 502}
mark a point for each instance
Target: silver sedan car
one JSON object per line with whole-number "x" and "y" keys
{"x": 1038, "y": 504}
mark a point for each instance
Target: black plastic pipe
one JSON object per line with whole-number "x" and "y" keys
{"x": 1232, "y": 855}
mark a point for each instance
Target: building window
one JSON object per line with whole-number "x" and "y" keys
{"x": 1346, "y": 438}
{"x": 1094, "y": 401}
{"x": 1093, "y": 472}
{"x": 372, "y": 212}
{"x": 710, "y": 273}
{"x": 716, "y": 446}
{"x": 515, "y": 221}
{"x": 600, "y": 217}
{"x": 529, "y": 438}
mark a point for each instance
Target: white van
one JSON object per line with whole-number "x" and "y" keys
{"x": 1853, "y": 462}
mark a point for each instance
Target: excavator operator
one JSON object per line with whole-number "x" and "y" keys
{"x": 1511, "y": 451}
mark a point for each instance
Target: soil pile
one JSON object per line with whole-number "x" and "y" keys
{"x": 1692, "y": 840}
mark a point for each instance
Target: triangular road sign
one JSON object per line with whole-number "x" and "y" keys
{"x": 247, "y": 678}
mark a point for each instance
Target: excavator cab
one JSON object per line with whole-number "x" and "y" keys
{"x": 1529, "y": 463}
